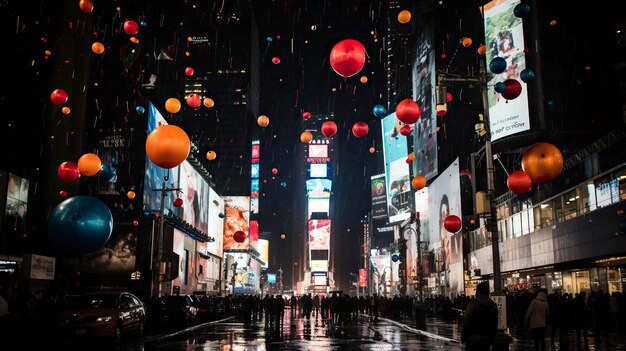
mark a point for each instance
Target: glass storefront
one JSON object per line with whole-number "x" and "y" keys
{"x": 607, "y": 279}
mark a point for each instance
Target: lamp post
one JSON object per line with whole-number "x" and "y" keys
{"x": 156, "y": 270}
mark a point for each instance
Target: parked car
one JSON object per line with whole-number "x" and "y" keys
{"x": 178, "y": 309}
{"x": 103, "y": 314}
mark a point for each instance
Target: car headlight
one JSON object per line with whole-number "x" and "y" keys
{"x": 103, "y": 319}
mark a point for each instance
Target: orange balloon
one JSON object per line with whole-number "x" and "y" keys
{"x": 306, "y": 137}
{"x": 283, "y": 236}
{"x": 363, "y": 79}
{"x": 97, "y": 48}
{"x": 167, "y": 146}
{"x": 542, "y": 162}
{"x": 482, "y": 49}
{"x": 404, "y": 17}
{"x": 466, "y": 41}
{"x": 372, "y": 150}
{"x": 263, "y": 121}
{"x": 211, "y": 155}
{"x": 411, "y": 157}
{"x": 172, "y": 105}
{"x": 131, "y": 194}
{"x": 418, "y": 182}
{"x": 208, "y": 102}
{"x": 86, "y": 6}
{"x": 66, "y": 110}
{"x": 89, "y": 165}
{"x": 134, "y": 40}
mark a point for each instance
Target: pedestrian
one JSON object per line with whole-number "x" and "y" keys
{"x": 537, "y": 318}
{"x": 480, "y": 322}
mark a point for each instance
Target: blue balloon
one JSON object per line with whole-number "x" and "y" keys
{"x": 551, "y": 102}
{"x": 79, "y": 225}
{"x": 221, "y": 215}
{"x": 379, "y": 111}
{"x": 140, "y": 109}
{"x": 521, "y": 10}
{"x": 269, "y": 39}
{"x": 497, "y": 65}
{"x": 283, "y": 184}
{"x": 527, "y": 75}
{"x": 500, "y": 87}
{"x": 395, "y": 257}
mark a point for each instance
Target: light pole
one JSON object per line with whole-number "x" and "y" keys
{"x": 156, "y": 270}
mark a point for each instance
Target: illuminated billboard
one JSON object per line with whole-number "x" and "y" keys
{"x": 318, "y": 188}
{"x": 504, "y": 37}
{"x": 318, "y": 170}
{"x": 237, "y": 210}
{"x": 256, "y": 152}
{"x": 319, "y": 205}
{"x": 362, "y": 277}
{"x": 319, "y": 266}
{"x": 216, "y": 223}
{"x": 195, "y": 195}
{"x": 264, "y": 251}
{"x": 319, "y": 234}
{"x": 254, "y": 171}
{"x": 318, "y": 150}
{"x": 271, "y": 277}
{"x": 379, "y": 197}
{"x": 320, "y": 279}
{"x": 399, "y": 206}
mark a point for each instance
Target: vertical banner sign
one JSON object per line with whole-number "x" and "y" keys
{"x": 362, "y": 277}
{"x": 504, "y": 37}
{"x": 379, "y": 197}
{"x": 399, "y": 202}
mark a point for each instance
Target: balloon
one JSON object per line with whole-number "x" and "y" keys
{"x": 283, "y": 236}
{"x": 499, "y": 87}
{"x": 448, "y": 97}
{"x": 134, "y": 40}
{"x": 208, "y": 102}
{"x": 221, "y": 215}
{"x": 404, "y": 16}
{"x": 405, "y": 130}
{"x": 360, "y": 129}
{"x": 131, "y": 27}
{"x": 418, "y": 182}
{"x": 513, "y": 89}
{"x": 379, "y": 111}
{"x": 172, "y": 105}
{"x": 452, "y": 223}
{"x": 274, "y": 171}
{"x": 306, "y": 137}
{"x": 363, "y": 79}
{"x": 97, "y": 48}
{"x": 553, "y": 23}
{"x": 466, "y": 42}
{"x": 269, "y": 39}
{"x": 408, "y": 111}
{"x": 135, "y": 223}
{"x": 178, "y": 202}
{"x": 306, "y": 115}
{"x": 86, "y": 6}
{"x": 140, "y": 109}
{"x": 275, "y": 60}
{"x": 521, "y": 10}
{"x": 89, "y": 164}
{"x": 497, "y": 65}
{"x": 58, "y": 97}
{"x": 66, "y": 110}
{"x": 347, "y": 57}
{"x": 329, "y": 128}
{"x": 519, "y": 182}
{"x": 189, "y": 71}
{"x": 62, "y": 193}
{"x": 372, "y": 150}
{"x": 239, "y": 236}
{"x": 527, "y": 75}
{"x": 395, "y": 257}
{"x": 167, "y": 146}
{"x": 193, "y": 100}
{"x": 68, "y": 172}
{"x": 411, "y": 157}
{"x": 263, "y": 121}
{"x": 131, "y": 194}
{"x": 211, "y": 155}
{"x": 482, "y": 49}
{"x": 79, "y": 225}
{"x": 542, "y": 162}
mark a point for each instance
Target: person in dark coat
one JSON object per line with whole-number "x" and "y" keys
{"x": 480, "y": 322}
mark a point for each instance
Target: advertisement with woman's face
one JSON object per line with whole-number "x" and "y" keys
{"x": 195, "y": 195}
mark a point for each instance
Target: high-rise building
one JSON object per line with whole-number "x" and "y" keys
{"x": 399, "y": 49}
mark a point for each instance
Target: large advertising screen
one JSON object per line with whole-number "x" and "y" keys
{"x": 254, "y": 233}
{"x": 318, "y": 170}
{"x": 319, "y": 280}
{"x": 319, "y": 266}
{"x": 17, "y": 199}
{"x": 397, "y": 171}
{"x": 264, "y": 251}
{"x": 194, "y": 191}
{"x": 271, "y": 278}
{"x": 379, "y": 197}
{"x": 504, "y": 37}
{"x": 424, "y": 83}
{"x": 318, "y": 151}
{"x": 319, "y": 205}
{"x": 319, "y": 234}
{"x": 444, "y": 200}
{"x": 216, "y": 223}
{"x": 318, "y": 188}
{"x": 237, "y": 219}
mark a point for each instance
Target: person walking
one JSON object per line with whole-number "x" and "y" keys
{"x": 537, "y": 318}
{"x": 480, "y": 322}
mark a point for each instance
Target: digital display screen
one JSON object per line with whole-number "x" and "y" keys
{"x": 399, "y": 206}
{"x": 256, "y": 152}
{"x": 319, "y": 266}
{"x": 318, "y": 150}
{"x": 319, "y": 280}
{"x": 319, "y": 188}
{"x": 319, "y": 234}
{"x": 263, "y": 247}
{"x": 237, "y": 210}
{"x": 271, "y": 277}
{"x": 319, "y": 255}
{"x": 318, "y": 170}
{"x": 254, "y": 171}
{"x": 254, "y": 186}
{"x": 319, "y": 205}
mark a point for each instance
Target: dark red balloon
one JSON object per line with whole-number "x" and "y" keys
{"x": 136, "y": 223}
{"x": 306, "y": 115}
{"x": 58, "y": 97}
{"x": 360, "y": 129}
{"x": 68, "y": 172}
{"x": 194, "y": 100}
{"x": 276, "y": 60}
{"x": 274, "y": 171}
{"x": 62, "y": 193}
{"x": 513, "y": 89}
{"x": 405, "y": 130}
{"x": 408, "y": 111}
{"x": 329, "y": 128}
{"x": 452, "y": 223}
{"x": 519, "y": 182}
{"x": 178, "y": 202}
{"x": 239, "y": 236}
{"x": 347, "y": 57}
{"x": 131, "y": 27}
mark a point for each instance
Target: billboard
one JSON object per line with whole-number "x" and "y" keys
{"x": 194, "y": 191}
{"x": 319, "y": 266}
{"x": 254, "y": 171}
{"x": 399, "y": 204}
{"x": 318, "y": 170}
{"x": 318, "y": 151}
{"x": 504, "y": 37}
{"x": 444, "y": 200}
{"x": 237, "y": 219}
{"x": 362, "y": 277}
{"x": 319, "y": 234}
{"x": 379, "y": 197}
{"x": 17, "y": 200}
{"x": 216, "y": 224}
{"x": 320, "y": 280}
{"x": 254, "y": 233}
{"x": 264, "y": 252}
{"x": 319, "y": 205}
{"x": 271, "y": 277}
{"x": 318, "y": 188}
{"x": 424, "y": 83}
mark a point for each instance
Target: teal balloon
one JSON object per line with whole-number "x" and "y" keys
{"x": 500, "y": 87}
{"x": 527, "y": 75}
{"x": 497, "y": 65}
{"x": 79, "y": 225}
{"x": 140, "y": 109}
{"x": 221, "y": 215}
{"x": 379, "y": 111}
{"x": 521, "y": 10}
{"x": 395, "y": 257}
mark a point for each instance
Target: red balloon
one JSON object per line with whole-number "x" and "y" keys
{"x": 136, "y": 223}
{"x": 519, "y": 182}
{"x": 360, "y": 129}
{"x": 452, "y": 223}
{"x": 189, "y": 71}
{"x": 62, "y": 193}
{"x": 405, "y": 130}
{"x": 178, "y": 202}
{"x": 58, "y": 97}
{"x": 448, "y": 97}
{"x": 408, "y": 111}
{"x": 513, "y": 89}
{"x": 239, "y": 236}
{"x": 68, "y": 172}
{"x": 275, "y": 60}
{"x": 347, "y": 57}
{"x": 306, "y": 115}
{"x": 274, "y": 171}
{"x": 131, "y": 27}
{"x": 194, "y": 100}
{"x": 329, "y": 128}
